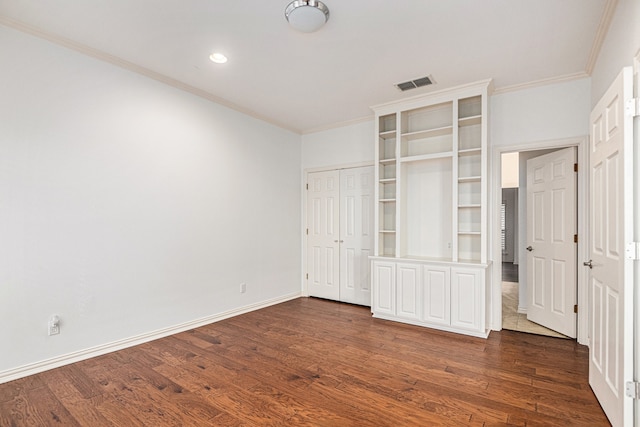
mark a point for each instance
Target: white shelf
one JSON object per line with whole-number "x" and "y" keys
{"x": 470, "y": 121}
{"x": 390, "y": 134}
{"x": 431, "y": 196}
{"x": 428, "y": 133}
{"x": 426, "y": 157}
{"x": 469, "y": 178}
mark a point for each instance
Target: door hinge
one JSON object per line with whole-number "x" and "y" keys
{"x": 307, "y": 231}
{"x": 575, "y": 308}
{"x": 575, "y": 238}
{"x": 632, "y": 107}
{"x": 575, "y": 167}
{"x": 633, "y": 251}
{"x": 632, "y": 389}
{"x": 307, "y": 186}
{"x": 307, "y": 276}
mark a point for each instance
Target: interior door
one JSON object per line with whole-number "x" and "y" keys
{"x": 552, "y": 250}
{"x": 610, "y": 273}
{"x": 356, "y": 234}
{"x": 323, "y": 234}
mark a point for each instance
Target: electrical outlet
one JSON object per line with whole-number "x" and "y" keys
{"x": 243, "y": 288}
{"x": 54, "y": 325}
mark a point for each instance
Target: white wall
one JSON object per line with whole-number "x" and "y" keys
{"x": 527, "y": 119}
{"x": 542, "y": 113}
{"x": 620, "y": 46}
{"x": 339, "y": 146}
{"x": 129, "y": 206}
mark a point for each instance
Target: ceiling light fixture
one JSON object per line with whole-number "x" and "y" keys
{"x": 218, "y": 58}
{"x": 307, "y": 16}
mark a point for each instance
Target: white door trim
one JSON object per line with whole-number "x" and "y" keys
{"x": 494, "y": 226}
{"x": 304, "y": 288}
{"x": 636, "y": 226}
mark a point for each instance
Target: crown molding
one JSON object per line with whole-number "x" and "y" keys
{"x": 541, "y": 82}
{"x": 129, "y": 66}
{"x": 601, "y": 33}
{"x": 338, "y": 125}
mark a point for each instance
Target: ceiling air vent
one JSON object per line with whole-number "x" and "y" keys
{"x": 413, "y": 84}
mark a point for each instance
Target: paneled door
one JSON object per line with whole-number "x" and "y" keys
{"x": 339, "y": 234}
{"x": 356, "y": 234}
{"x": 610, "y": 270}
{"x": 552, "y": 249}
{"x": 323, "y": 234}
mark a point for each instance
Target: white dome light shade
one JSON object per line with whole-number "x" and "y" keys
{"x": 307, "y": 16}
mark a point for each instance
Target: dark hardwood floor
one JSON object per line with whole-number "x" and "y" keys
{"x": 315, "y": 363}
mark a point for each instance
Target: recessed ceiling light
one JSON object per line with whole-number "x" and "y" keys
{"x": 218, "y": 58}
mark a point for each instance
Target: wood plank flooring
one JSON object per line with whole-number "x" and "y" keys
{"x": 310, "y": 362}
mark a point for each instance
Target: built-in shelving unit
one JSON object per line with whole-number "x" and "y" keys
{"x": 431, "y": 154}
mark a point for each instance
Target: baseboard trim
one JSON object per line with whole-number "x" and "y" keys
{"x": 77, "y": 356}
{"x": 522, "y": 310}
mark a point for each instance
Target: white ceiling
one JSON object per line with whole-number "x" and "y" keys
{"x": 305, "y": 82}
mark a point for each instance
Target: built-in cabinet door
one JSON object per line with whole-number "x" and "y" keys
{"x": 436, "y": 295}
{"x": 384, "y": 288}
{"x": 467, "y": 297}
{"x": 408, "y": 285}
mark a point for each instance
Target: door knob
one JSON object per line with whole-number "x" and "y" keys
{"x": 588, "y": 264}
{"x": 529, "y": 248}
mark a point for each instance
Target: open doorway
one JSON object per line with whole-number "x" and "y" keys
{"x": 513, "y": 237}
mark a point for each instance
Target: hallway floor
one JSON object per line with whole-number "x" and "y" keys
{"x": 514, "y": 321}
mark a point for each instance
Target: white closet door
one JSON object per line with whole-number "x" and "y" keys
{"x": 356, "y": 231}
{"x": 323, "y": 227}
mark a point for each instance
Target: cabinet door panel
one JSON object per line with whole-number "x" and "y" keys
{"x": 436, "y": 301}
{"x": 384, "y": 287}
{"x": 467, "y": 299}
{"x": 408, "y": 284}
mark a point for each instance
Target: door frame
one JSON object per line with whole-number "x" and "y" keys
{"x": 304, "y": 284}
{"x": 494, "y": 236}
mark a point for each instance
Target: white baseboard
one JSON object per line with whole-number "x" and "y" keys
{"x": 77, "y": 356}
{"x": 522, "y": 310}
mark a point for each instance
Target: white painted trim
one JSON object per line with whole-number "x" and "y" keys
{"x": 636, "y": 221}
{"x": 130, "y": 66}
{"x": 522, "y": 310}
{"x": 77, "y": 356}
{"x": 542, "y": 82}
{"x": 583, "y": 237}
{"x": 445, "y": 328}
{"x": 339, "y": 125}
{"x": 307, "y": 171}
{"x": 443, "y": 95}
{"x": 601, "y": 33}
